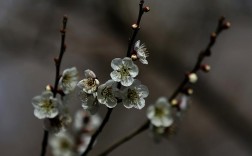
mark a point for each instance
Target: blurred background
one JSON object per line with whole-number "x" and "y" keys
{"x": 219, "y": 120}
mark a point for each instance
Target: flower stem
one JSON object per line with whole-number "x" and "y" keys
{"x": 125, "y": 139}
{"x": 57, "y": 78}
{"x": 105, "y": 120}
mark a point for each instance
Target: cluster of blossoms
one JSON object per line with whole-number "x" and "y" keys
{"x": 54, "y": 110}
{"x": 66, "y": 144}
{"x": 121, "y": 88}
{"x": 163, "y": 116}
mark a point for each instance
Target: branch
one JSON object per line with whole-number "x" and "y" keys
{"x": 57, "y": 77}
{"x": 126, "y": 138}
{"x": 222, "y": 25}
{"x": 135, "y": 28}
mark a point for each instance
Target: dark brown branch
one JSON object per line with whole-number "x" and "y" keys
{"x": 222, "y": 25}
{"x": 125, "y": 139}
{"x": 57, "y": 77}
{"x": 135, "y": 28}
{"x": 99, "y": 130}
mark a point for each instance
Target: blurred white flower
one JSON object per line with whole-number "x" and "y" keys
{"x": 124, "y": 71}
{"x": 134, "y": 95}
{"x": 86, "y": 122}
{"x": 141, "y": 52}
{"x": 62, "y": 145}
{"x": 183, "y": 105}
{"x": 89, "y": 102}
{"x": 158, "y": 133}
{"x": 69, "y": 80}
{"x": 83, "y": 143}
{"x": 45, "y": 105}
{"x": 107, "y": 92}
{"x": 160, "y": 114}
{"x": 58, "y": 124}
{"x": 90, "y": 83}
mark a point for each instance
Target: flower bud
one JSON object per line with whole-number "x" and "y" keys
{"x": 146, "y": 9}
{"x": 134, "y": 26}
{"x": 134, "y": 57}
{"x": 205, "y": 67}
{"x": 192, "y": 77}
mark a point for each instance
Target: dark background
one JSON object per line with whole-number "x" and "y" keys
{"x": 219, "y": 120}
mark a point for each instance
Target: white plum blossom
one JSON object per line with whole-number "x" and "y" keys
{"x": 89, "y": 102}
{"x": 90, "y": 83}
{"x": 160, "y": 114}
{"x": 45, "y": 105}
{"x": 85, "y": 122}
{"x": 107, "y": 92}
{"x": 134, "y": 95}
{"x": 124, "y": 71}
{"x": 141, "y": 52}
{"x": 69, "y": 80}
{"x": 62, "y": 145}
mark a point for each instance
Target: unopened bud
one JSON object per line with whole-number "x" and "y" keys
{"x": 146, "y": 9}
{"x": 226, "y": 25}
{"x": 174, "y": 102}
{"x": 192, "y": 77}
{"x": 134, "y": 57}
{"x": 205, "y": 67}
{"x": 49, "y": 88}
{"x": 134, "y": 26}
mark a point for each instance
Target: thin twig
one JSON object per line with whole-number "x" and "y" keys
{"x": 222, "y": 25}
{"x": 99, "y": 130}
{"x": 57, "y": 77}
{"x": 125, "y": 139}
{"x": 135, "y": 27}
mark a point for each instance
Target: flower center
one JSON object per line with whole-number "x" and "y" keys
{"x": 107, "y": 92}
{"x": 64, "y": 144}
{"x": 132, "y": 95}
{"x": 47, "y": 105}
{"x": 90, "y": 82}
{"x": 124, "y": 71}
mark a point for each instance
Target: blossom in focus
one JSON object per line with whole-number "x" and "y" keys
{"x": 85, "y": 122}
{"x": 107, "y": 92}
{"x": 134, "y": 95}
{"x": 69, "y": 80}
{"x": 160, "y": 114}
{"x": 62, "y": 144}
{"x": 90, "y": 83}
{"x": 89, "y": 102}
{"x": 45, "y": 105}
{"x": 124, "y": 71}
{"x": 141, "y": 52}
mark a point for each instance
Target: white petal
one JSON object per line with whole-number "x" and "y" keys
{"x": 127, "y": 62}
{"x": 143, "y": 60}
{"x": 143, "y": 91}
{"x": 89, "y": 74}
{"x": 116, "y": 76}
{"x": 156, "y": 121}
{"x": 116, "y": 63}
{"x": 137, "y": 45}
{"x": 134, "y": 71}
{"x": 127, "y": 103}
{"x": 127, "y": 81}
{"x": 150, "y": 112}
{"x": 166, "y": 121}
{"x": 140, "y": 104}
